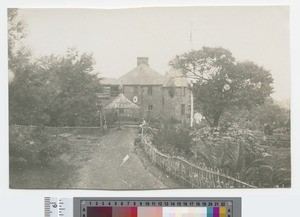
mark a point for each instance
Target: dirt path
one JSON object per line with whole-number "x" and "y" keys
{"x": 103, "y": 170}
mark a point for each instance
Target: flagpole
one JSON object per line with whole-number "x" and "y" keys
{"x": 192, "y": 105}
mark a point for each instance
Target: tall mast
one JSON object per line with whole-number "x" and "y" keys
{"x": 192, "y": 95}
{"x": 191, "y": 36}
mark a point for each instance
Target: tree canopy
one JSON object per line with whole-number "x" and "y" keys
{"x": 52, "y": 90}
{"x": 56, "y": 91}
{"x": 18, "y": 55}
{"x": 219, "y": 82}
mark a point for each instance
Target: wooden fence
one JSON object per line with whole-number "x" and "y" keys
{"x": 59, "y": 130}
{"x": 195, "y": 176}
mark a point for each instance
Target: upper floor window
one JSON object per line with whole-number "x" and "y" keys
{"x": 182, "y": 109}
{"x": 150, "y": 108}
{"x": 150, "y": 90}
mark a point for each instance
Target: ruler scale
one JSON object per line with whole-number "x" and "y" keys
{"x": 47, "y": 206}
{"x": 142, "y": 207}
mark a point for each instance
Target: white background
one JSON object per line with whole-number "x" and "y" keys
{"x": 259, "y": 202}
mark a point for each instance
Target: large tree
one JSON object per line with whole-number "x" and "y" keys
{"x": 69, "y": 89}
{"x": 18, "y": 54}
{"x": 22, "y": 76}
{"x": 56, "y": 91}
{"x": 221, "y": 83}
{"x": 52, "y": 90}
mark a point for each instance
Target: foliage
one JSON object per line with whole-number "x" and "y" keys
{"x": 262, "y": 173}
{"x": 238, "y": 152}
{"x": 173, "y": 138}
{"x": 221, "y": 83}
{"x": 56, "y": 91}
{"x": 34, "y": 147}
{"x": 51, "y": 90}
{"x": 259, "y": 171}
{"x": 229, "y": 149}
{"x": 256, "y": 117}
{"x": 22, "y": 98}
{"x": 69, "y": 89}
{"x": 272, "y": 114}
{"x": 16, "y": 32}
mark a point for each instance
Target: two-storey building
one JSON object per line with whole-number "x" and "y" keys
{"x": 158, "y": 96}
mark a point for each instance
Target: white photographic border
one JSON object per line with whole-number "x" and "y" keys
{"x": 264, "y": 202}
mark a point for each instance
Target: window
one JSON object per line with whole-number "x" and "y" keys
{"x": 114, "y": 91}
{"x": 135, "y": 90}
{"x": 182, "y": 109}
{"x": 121, "y": 111}
{"x": 150, "y": 108}
{"x": 149, "y": 90}
{"x": 171, "y": 91}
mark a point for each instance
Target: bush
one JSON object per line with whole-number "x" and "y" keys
{"x": 173, "y": 139}
{"x": 34, "y": 146}
{"x": 227, "y": 148}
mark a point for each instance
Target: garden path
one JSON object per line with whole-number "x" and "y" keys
{"x": 104, "y": 170}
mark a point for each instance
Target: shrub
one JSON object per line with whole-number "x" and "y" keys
{"x": 264, "y": 173}
{"x": 227, "y": 148}
{"x": 34, "y": 146}
{"x": 173, "y": 139}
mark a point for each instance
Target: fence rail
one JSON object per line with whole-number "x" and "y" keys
{"x": 59, "y": 130}
{"x": 195, "y": 176}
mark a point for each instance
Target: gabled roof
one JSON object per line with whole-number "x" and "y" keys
{"x": 141, "y": 75}
{"x": 175, "y": 78}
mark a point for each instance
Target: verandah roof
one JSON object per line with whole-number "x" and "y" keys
{"x": 121, "y": 102}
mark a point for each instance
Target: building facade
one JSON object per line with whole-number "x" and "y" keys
{"x": 176, "y": 96}
{"x": 159, "y": 97}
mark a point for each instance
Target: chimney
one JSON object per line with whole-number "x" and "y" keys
{"x": 144, "y": 60}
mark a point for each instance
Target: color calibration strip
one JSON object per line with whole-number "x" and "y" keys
{"x": 158, "y": 207}
{"x": 157, "y": 212}
{"x": 142, "y": 207}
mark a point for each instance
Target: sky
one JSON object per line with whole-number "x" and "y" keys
{"x": 116, "y": 37}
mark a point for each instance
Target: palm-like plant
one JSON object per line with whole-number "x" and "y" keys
{"x": 263, "y": 174}
{"x": 231, "y": 151}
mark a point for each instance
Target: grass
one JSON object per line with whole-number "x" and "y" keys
{"x": 60, "y": 171}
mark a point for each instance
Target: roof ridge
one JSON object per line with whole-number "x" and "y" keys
{"x": 142, "y": 75}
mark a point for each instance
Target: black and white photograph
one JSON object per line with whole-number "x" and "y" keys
{"x": 149, "y": 98}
